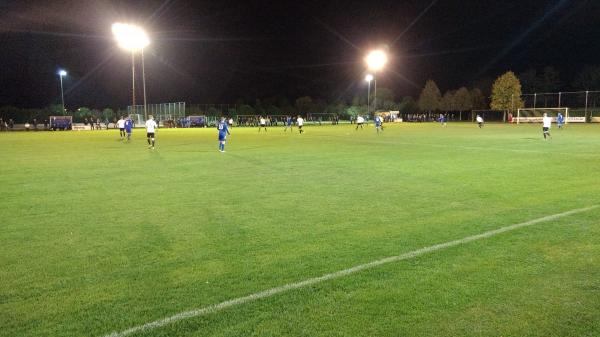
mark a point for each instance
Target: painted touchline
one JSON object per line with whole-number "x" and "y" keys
{"x": 311, "y": 281}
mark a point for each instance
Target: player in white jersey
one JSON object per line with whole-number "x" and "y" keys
{"x": 360, "y": 120}
{"x": 262, "y": 123}
{"x": 121, "y": 126}
{"x": 300, "y": 123}
{"x": 546, "y": 124}
{"x": 479, "y": 121}
{"x": 151, "y": 127}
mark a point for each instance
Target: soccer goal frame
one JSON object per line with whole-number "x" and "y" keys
{"x": 199, "y": 121}
{"x": 536, "y": 114}
{"x": 60, "y": 122}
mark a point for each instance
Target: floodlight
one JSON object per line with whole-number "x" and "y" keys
{"x": 130, "y": 37}
{"x": 369, "y": 78}
{"x": 376, "y": 60}
{"x": 62, "y": 73}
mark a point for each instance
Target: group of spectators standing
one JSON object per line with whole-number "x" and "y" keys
{"x": 9, "y": 125}
{"x": 95, "y": 125}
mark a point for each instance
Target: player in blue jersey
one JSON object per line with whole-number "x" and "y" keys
{"x": 223, "y": 132}
{"x": 128, "y": 127}
{"x": 443, "y": 119}
{"x": 288, "y": 124}
{"x": 378, "y": 124}
{"x": 560, "y": 120}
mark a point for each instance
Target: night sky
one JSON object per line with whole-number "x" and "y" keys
{"x": 221, "y": 51}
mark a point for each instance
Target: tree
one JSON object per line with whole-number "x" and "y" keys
{"x": 258, "y": 107}
{"x": 108, "y": 114}
{"x": 318, "y": 106}
{"x": 462, "y": 100}
{"x": 447, "y": 103}
{"x": 430, "y": 97}
{"x": 550, "y": 80}
{"x": 547, "y": 81}
{"x": 304, "y": 104}
{"x": 408, "y": 106}
{"x": 506, "y": 93}
{"x": 353, "y": 111}
{"x": 484, "y": 85}
{"x": 529, "y": 81}
{"x": 55, "y": 110}
{"x": 477, "y": 99}
{"x": 273, "y": 110}
{"x": 587, "y": 79}
{"x": 246, "y": 109}
{"x": 212, "y": 111}
{"x": 82, "y": 113}
{"x": 385, "y": 99}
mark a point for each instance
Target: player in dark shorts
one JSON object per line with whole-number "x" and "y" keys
{"x": 121, "y": 125}
{"x": 359, "y": 122}
{"x": 150, "y": 128}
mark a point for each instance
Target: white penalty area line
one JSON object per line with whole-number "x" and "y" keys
{"x": 338, "y": 274}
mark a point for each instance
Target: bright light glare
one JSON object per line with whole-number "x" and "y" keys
{"x": 62, "y": 73}
{"x": 130, "y": 37}
{"x": 376, "y": 60}
{"x": 369, "y": 78}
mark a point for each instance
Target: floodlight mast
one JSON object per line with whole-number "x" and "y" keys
{"x": 369, "y": 78}
{"x": 133, "y": 38}
{"x": 376, "y": 60}
{"x": 62, "y": 73}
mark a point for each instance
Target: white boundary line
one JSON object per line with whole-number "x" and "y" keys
{"x": 311, "y": 281}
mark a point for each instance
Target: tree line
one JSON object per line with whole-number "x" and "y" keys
{"x": 504, "y": 94}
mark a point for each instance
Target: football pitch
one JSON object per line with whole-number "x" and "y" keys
{"x": 102, "y": 237}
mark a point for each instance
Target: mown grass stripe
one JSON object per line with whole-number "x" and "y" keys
{"x": 312, "y": 281}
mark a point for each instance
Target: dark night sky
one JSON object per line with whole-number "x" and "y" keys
{"x": 219, "y": 51}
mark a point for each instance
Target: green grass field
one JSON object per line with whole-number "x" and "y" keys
{"x": 98, "y": 236}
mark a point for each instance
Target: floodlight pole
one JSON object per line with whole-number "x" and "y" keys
{"x": 132, "y": 81}
{"x": 375, "y": 97}
{"x": 62, "y": 93}
{"x": 369, "y": 98}
{"x": 144, "y": 85}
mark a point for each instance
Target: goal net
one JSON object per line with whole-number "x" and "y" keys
{"x": 195, "y": 121}
{"x": 535, "y": 115}
{"x": 61, "y": 122}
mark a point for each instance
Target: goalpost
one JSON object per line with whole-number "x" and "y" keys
{"x": 61, "y": 122}
{"x": 195, "y": 122}
{"x": 535, "y": 115}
